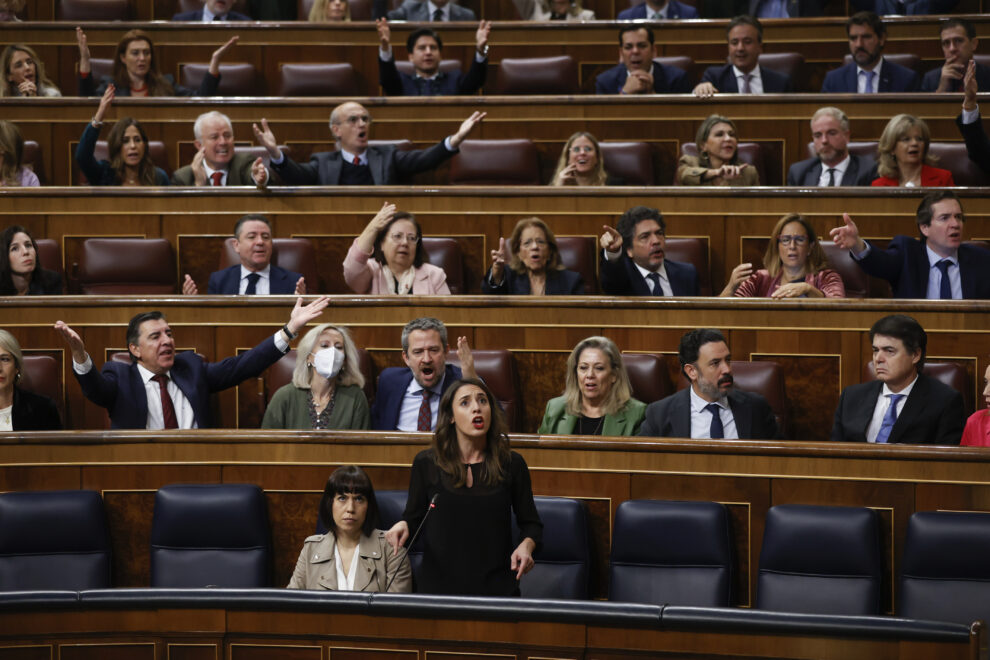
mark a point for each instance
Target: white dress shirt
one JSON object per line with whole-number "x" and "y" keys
{"x": 935, "y": 276}
{"x": 664, "y": 282}
{"x": 880, "y": 410}
{"x": 263, "y": 287}
{"x": 413, "y": 399}
{"x": 755, "y": 81}
{"x": 445, "y": 10}
{"x": 861, "y": 78}
{"x": 345, "y": 582}
{"x": 701, "y": 419}
{"x": 840, "y": 171}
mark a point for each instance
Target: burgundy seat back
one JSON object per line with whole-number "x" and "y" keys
{"x": 42, "y": 376}
{"x": 789, "y": 64}
{"x": 631, "y": 161}
{"x": 34, "y": 159}
{"x": 682, "y": 62}
{"x": 240, "y": 6}
{"x": 749, "y": 152}
{"x": 766, "y": 379}
{"x": 49, "y": 255}
{"x": 855, "y": 279}
{"x": 295, "y": 254}
{"x": 280, "y": 373}
{"x": 119, "y": 266}
{"x": 445, "y": 253}
{"x": 93, "y": 10}
{"x": 537, "y": 75}
{"x": 952, "y": 374}
{"x": 318, "y": 79}
{"x": 498, "y": 369}
{"x": 495, "y": 163}
{"x": 648, "y": 376}
{"x": 100, "y": 67}
{"x": 236, "y": 78}
{"x": 578, "y": 253}
{"x": 693, "y": 251}
{"x": 952, "y": 156}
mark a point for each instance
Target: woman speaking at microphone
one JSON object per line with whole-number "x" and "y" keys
{"x": 478, "y": 482}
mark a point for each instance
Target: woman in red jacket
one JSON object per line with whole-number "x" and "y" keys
{"x": 903, "y": 158}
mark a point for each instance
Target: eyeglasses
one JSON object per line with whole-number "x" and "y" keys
{"x": 398, "y": 237}
{"x": 357, "y": 119}
{"x": 539, "y": 242}
{"x": 785, "y": 239}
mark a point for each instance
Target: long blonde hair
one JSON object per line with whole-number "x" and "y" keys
{"x": 350, "y": 372}
{"x": 599, "y": 176}
{"x": 896, "y": 128}
{"x": 11, "y": 152}
{"x": 42, "y": 80}
{"x": 318, "y": 12}
{"x": 621, "y": 391}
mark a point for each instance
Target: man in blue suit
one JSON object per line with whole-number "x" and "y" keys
{"x": 418, "y": 11}
{"x": 869, "y": 72}
{"x": 408, "y": 399}
{"x": 425, "y": 52}
{"x": 959, "y": 43}
{"x": 162, "y": 389}
{"x": 256, "y": 274}
{"x": 743, "y": 75}
{"x": 938, "y": 266}
{"x": 638, "y": 73}
{"x": 213, "y": 10}
{"x": 640, "y": 269}
{"x": 970, "y": 125}
{"x": 658, "y": 10}
{"x": 832, "y": 165}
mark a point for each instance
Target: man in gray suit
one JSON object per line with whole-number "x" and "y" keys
{"x": 431, "y": 10}
{"x": 710, "y": 408}
{"x": 216, "y": 163}
{"x": 355, "y": 163}
{"x": 833, "y": 165}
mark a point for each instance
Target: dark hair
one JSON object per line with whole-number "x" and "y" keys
{"x": 905, "y": 328}
{"x": 867, "y": 18}
{"x": 420, "y": 257}
{"x": 423, "y": 32}
{"x": 955, "y": 21}
{"x": 345, "y": 480}
{"x": 248, "y": 218}
{"x": 7, "y": 287}
{"x": 691, "y": 343}
{"x": 627, "y": 223}
{"x": 924, "y": 213}
{"x": 635, "y": 28}
{"x": 115, "y": 143}
{"x": 447, "y": 451}
{"x": 745, "y": 20}
{"x": 134, "y": 328}
{"x": 157, "y": 85}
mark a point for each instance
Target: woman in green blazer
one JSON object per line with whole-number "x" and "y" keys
{"x": 597, "y": 397}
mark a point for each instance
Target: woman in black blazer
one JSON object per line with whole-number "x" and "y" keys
{"x": 21, "y": 410}
{"x": 20, "y": 267}
{"x": 534, "y": 265}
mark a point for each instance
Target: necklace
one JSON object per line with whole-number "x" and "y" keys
{"x": 7, "y": 417}
{"x": 321, "y": 420}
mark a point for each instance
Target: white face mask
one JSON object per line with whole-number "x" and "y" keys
{"x": 328, "y": 362}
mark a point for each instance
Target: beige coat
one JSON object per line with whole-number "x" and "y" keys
{"x": 690, "y": 169}
{"x": 317, "y": 568}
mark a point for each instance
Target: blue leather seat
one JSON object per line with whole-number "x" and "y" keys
{"x": 210, "y": 535}
{"x": 563, "y": 561}
{"x": 53, "y": 540}
{"x": 391, "y": 506}
{"x": 671, "y": 552}
{"x": 820, "y": 560}
{"x": 945, "y": 572}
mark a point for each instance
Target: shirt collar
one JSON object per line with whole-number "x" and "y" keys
{"x": 755, "y": 73}
{"x": 146, "y": 375}
{"x": 349, "y": 157}
{"x": 432, "y": 8}
{"x": 876, "y": 69}
{"x": 264, "y": 272}
{"x": 209, "y": 170}
{"x": 884, "y": 391}
{"x": 662, "y": 271}
{"x": 934, "y": 258}
{"x": 840, "y": 168}
{"x": 209, "y": 15}
{"x": 698, "y": 404}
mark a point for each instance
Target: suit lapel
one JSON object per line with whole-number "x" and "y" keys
{"x": 231, "y": 281}
{"x": 140, "y": 396}
{"x": 397, "y": 407}
{"x": 852, "y": 172}
{"x": 365, "y": 568}
{"x": 680, "y": 417}
{"x": 911, "y": 410}
{"x": 377, "y": 165}
{"x": 924, "y": 268}
{"x": 864, "y": 412}
{"x": 179, "y": 373}
{"x": 742, "y": 414}
{"x": 966, "y": 270}
{"x": 614, "y": 424}
{"x": 814, "y": 175}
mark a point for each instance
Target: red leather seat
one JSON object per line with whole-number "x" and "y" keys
{"x": 295, "y": 254}
{"x": 156, "y": 148}
{"x": 537, "y": 75}
{"x": 256, "y": 151}
{"x": 693, "y": 251}
{"x": 280, "y": 374}
{"x": 236, "y": 79}
{"x": 93, "y": 10}
{"x": 49, "y": 254}
{"x": 318, "y": 79}
{"x": 648, "y": 376}
{"x": 495, "y": 163}
{"x": 119, "y": 266}
{"x": 34, "y": 159}
{"x": 680, "y": 61}
{"x": 42, "y": 375}
{"x": 855, "y": 279}
{"x": 952, "y": 156}
{"x": 99, "y": 67}
{"x": 446, "y": 253}
{"x": 952, "y": 374}
{"x": 631, "y": 161}
{"x": 579, "y": 253}
{"x": 789, "y": 64}
{"x": 498, "y": 369}
{"x": 749, "y": 152}
{"x": 764, "y": 378}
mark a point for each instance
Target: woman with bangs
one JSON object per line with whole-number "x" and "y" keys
{"x": 903, "y": 158}
{"x": 24, "y": 73}
{"x": 534, "y": 267}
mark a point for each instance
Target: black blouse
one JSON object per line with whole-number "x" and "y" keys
{"x": 467, "y": 541}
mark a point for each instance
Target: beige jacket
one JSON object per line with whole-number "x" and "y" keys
{"x": 317, "y": 568}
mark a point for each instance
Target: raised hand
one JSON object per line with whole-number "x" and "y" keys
{"x": 260, "y": 174}
{"x": 301, "y": 287}
{"x": 189, "y": 287}
{"x": 303, "y": 314}
{"x": 481, "y": 36}
{"x": 970, "y": 87}
{"x": 74, "y": 341}
{"x": 847, "y": 236}
{"x": 466, "y": 127}
{"x": 738, "y": 275}
{"x": 83, "y": 51}
{"x": 266, "y": 138}
{"x": 384, "y": 34}
{"x": 104, "y": 104}
{"x": 466, "y": 357}
{"x": 366, "y": 241}
{"x": 218, "y": 55}
{"x": 611, "y": 240}
{"x": 198, "y": 170}
{"x": 498, "y": 262}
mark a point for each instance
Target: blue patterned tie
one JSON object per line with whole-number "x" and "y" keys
{"x": 945, "y": 287}
{"x": 716, "y": 431}
{"x": 887, "y": 425}
{"x": 869, "y": 81}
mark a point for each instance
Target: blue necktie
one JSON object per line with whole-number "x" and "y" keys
{"x": 945, "y": 287}
{"x": 869, "y": 81}
{"x": 716, "y": 431}
{"x": 887, "y": 425}
{"x": 654, "y": 279}
{"x": 252, "y": 287}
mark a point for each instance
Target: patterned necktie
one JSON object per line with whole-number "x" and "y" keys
{"x": 168, "y": 410}
{"x": 945, "y": 288}
{"x": 217, "y": 178}
{"x": 746, "y": 89}
{"x": 425, "y": 415}
{"x": 887, "y": 425}
{"x": 831, "y": 177}
{"x": 438, "y": 15}
{"x": 252, "y": 287}
{"x": 869, "y": 81}
{"x": 715, "y": 431}
{"x": 654, "y": 278}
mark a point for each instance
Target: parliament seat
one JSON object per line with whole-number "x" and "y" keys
{"x": 557, "y": 74}
{"x": 695, "y": 252}
{"x": 156, "y": 149}
{"x": 820, "y": 560}
{"x": 236, "y": 78}
{"x": 49, "y": 254}
{"x": 764, "y": 378}
{"x": 295, "y": 254}
{"x": 239, "y": 6}
{"x": 495, "y": 163}
{"x": 317, "y": 79}
{"x": 677, "y": 553}
{"x": 360, "y": 9}
{"x": 854, "y": 278}
{"x": 749, "y": 152}
{"x": 446, "y": 253}
{"x": 789, "y": 64}
{"x": 42, "y": 375}
{"x": 580, "y": 254}
{"x": 945, "y": 575}
{"x": 93, "y": 10}
{"x": 561, "y": 568}
{"x": 497, "y": 368}
{"x": 280, "y": 374}
{"x": 99, "y": 67}
{"x": 683, "y": 62}
{"x": 648, "y": 376}
{"x": 952, "y": 156}
{"x": 949, "y": 373}
{"x": 33, "y": 158}
{"x": 117, "y": 266}
{"x": 53, "y": 540}
{"x": 630, "y": 161}
{"x": 391, "y": 506}
{"x": 206, "y": 535}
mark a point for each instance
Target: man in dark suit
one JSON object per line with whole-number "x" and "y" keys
{"x": 161, "y": 389}
{"x": 938, "y": 266}
{"x": 425, "y": 52}
{"x": 640, "y": 269}
{"x": 743, "y": 75}
{"x": 785, "y": 9}
{"x": 710, "y": 407}
{"x": 638, "y": 73}
{"x": 902, "y": 405}
{"x": 658, "y": 10}
{"x": 869, "y": 72}
{"x": 215, "y": 162}
{"x": 213, "y": 10}
{"x": 905, "y": 7}
{"x": 355, "y": 163}
{"x": 970, "y": 124}
{"x": 833, "y": 165}
{"x": 959, "y": 42}
{"x": 417, "y": 11}
{"x": 408, "y": 399}
{"x": 256, "y": 274}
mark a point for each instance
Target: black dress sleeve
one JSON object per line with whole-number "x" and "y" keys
{"x": 523, "y": 505}
{"x": 422, "y": 485}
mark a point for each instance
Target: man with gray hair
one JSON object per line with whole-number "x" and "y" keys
{"x": 408, "y": 399}
{"x": 832, "y": 165}
{"x": 215, "y": 163}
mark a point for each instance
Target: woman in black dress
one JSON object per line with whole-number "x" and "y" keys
{"x": 478, "y": 482}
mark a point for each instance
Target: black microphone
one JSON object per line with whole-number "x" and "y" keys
{"x": 432, "y": 505}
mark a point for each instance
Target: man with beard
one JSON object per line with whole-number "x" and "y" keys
{"x": 869, "y": 72}
{"x": 832, "y": 165}
{"x": 710, "y": 408}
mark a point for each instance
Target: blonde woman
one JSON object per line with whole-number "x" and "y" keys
{"x": 903, "y": 158}
{"x": 330, "y": 11}
{"x": 717, "y": 162}
{"x": 580, "y": 163}
{"x": 24, "y": 73}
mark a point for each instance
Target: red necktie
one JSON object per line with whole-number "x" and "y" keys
{"x": 217, "y": 178}
{"x": 425, "y": 415}
{"x": 168, "y": 410}
{"x": 357, "y": 160}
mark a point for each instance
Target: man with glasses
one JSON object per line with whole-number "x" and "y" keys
{"x": 355, "y": 163}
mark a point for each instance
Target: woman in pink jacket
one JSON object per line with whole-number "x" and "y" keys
{"x": 388, "y": 257}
